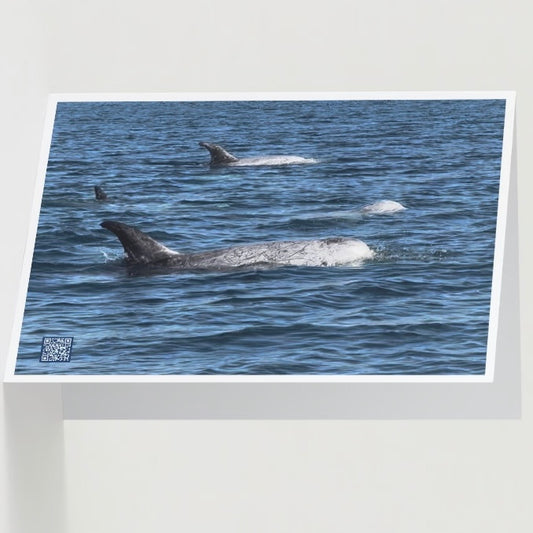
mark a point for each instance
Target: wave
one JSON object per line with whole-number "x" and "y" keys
{"x": 112, "y": 257}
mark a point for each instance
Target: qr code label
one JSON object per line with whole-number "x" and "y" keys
{"x": 56, "y": 349}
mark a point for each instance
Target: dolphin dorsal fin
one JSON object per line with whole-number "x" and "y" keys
{"x": 99, "y": 193}
{"x": 139, "y": 247}
{"x": 219, "y": 156}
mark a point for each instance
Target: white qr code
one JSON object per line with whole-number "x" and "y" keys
{"x": 56, "y": 349}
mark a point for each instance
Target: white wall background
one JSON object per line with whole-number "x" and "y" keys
{"x": 260, "y": 476}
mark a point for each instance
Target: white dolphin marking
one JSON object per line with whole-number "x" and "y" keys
{"x": 220, "y": 157}
{"x": 383, "y": 207}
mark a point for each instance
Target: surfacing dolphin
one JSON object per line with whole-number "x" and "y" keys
{"x": 143, "y": 250}
{"x": 99, "y": 193}
{"x": 383, "y": 207}
{"x": 220, "y": 157}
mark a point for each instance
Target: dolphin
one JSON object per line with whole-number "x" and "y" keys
{"x": 143, "y": 250}
{"x": 220, "y": 157}
{"x": 99, "y": 193}
{"x": 383, "y": 207}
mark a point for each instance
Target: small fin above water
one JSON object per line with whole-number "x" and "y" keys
{"x": 99, "y": 193}
{"x": 219, "y": 156}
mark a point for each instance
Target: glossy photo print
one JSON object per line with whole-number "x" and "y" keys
{"x": 270, "y": 236}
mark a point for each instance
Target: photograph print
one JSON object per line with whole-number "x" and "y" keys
{"x": 338, "y": 235}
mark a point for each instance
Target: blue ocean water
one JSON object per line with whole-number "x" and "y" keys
{"x": 420, "y": 306}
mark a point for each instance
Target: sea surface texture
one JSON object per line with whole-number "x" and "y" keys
{"x": 420, "y": 305}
